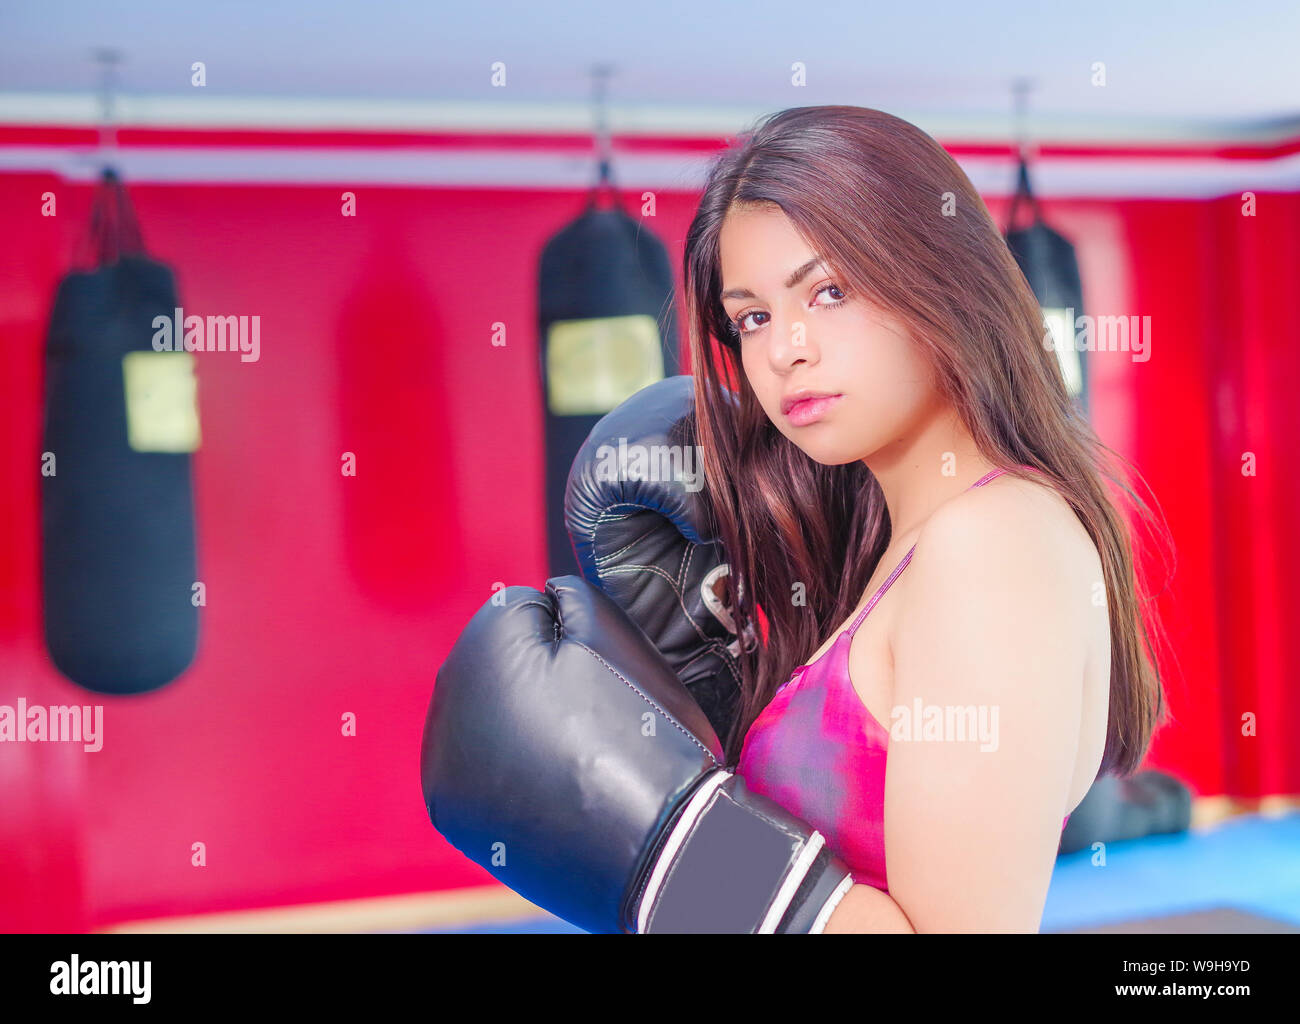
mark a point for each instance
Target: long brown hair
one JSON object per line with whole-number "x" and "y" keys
{"x": 869, "y": 190}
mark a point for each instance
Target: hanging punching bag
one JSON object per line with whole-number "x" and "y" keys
{"x": 607, "y": 329}
{"x": 117, "y": 509}
{"x": 1048, "y": 261}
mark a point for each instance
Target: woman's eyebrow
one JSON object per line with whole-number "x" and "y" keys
{"x": 798, "y": 275}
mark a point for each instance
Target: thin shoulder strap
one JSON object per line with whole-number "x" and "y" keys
{"x": 898, "y": 569}
{"x": 992, "y": 474}
{"x": 875, "y": 598}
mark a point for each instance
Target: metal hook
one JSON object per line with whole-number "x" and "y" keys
{"x": 108, "y": 61}
{"x": 1020, "y": 89}
{"x": 601, "y": 74}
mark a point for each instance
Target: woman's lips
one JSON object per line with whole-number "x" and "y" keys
{"x": 810, "y": 410}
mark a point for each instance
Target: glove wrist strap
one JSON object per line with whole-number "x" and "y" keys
{"x": 735, "y": 862}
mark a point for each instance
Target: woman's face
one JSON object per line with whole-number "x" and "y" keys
{"x": 803, "y": 333}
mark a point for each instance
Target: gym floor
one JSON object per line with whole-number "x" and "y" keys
{"x": 1232, "y": 872}
{"x": 1240, "y": 875}
{"x": 1237, "y": 875}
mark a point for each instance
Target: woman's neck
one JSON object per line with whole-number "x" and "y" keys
{"x": 928, "y": 467}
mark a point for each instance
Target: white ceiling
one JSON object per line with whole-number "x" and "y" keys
{"x": 1184, "y": 66}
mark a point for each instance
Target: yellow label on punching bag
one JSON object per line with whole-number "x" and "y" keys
{"x": 162, "y": 413}
{"x": 1060, "y": 327}
{"x": 593, "y": 365}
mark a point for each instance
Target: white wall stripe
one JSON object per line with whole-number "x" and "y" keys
{"x": 442, "y": 168}
{"x": 539, "y": 118}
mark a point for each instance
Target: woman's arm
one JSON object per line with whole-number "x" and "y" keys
{"x": 865, "y": 909}
{"x": 990, "y": 647}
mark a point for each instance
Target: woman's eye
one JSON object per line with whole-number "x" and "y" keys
{"x": 738, "y": 323}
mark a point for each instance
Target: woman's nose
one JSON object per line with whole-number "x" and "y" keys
{"x": 790, "y": 344}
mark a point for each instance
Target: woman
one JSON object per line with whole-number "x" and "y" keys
{"x": 906, "y": 491}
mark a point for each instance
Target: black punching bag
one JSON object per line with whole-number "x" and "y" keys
{"x": 1048, "y": 261}
{"x": 607, "y": 329}
{"x": 117, "y": 508}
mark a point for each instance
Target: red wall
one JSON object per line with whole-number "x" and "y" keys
{"x": 328, "y": 594}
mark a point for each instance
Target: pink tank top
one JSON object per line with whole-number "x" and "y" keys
{"x": 819, "y": 753}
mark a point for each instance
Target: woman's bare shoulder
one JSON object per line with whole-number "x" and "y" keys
{"x": 1014, "y": 527}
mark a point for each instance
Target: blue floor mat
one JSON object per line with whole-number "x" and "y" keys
{"x": 1247, "y": 863}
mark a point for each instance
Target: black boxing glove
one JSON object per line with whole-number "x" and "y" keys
{"x": 562, "y": 753}
{"x": 637, "y": 513}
